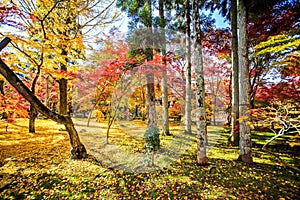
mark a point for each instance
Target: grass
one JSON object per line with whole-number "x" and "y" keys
{"x": 37, "y": 166}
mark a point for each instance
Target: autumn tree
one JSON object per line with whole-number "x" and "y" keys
{"x": 141, "y": 12}
{"x": 55, "y": 41}
{"x": 78, "y": 150}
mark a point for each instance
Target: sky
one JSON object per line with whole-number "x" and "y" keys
{"x": 123, "y": 23}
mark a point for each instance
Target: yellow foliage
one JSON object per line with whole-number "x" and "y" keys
{"x": 243, "y": 118}
{"x": 276, "y": 44}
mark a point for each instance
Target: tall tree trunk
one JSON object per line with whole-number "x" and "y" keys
{"x": 165, "y": 117}
{"x": 150, "y": 96}
{"x": 200, "y": 89}
{"x": 244, "y": 86}
{"x": 188, "y": 99}
{"x": 78, "y": 150}
{"x": 234, "y": 136}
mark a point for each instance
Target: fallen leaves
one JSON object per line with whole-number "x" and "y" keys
{"x": 41, "y": 169}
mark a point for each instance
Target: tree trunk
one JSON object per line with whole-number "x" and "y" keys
{"x": 150, "y": 99}
{"x": 235, "y": 73}
{"x": 244, "y": 87}
{"x": 150, "y": 96}
{"x": 63, "y": 97}
{"x": 33, "y": 112}
{"x": 32, "y": 117}
{"x": 188, "y": 99}
{"x": 200, "y": 89}
{"x": 78, "y": 150}
{"x": 63, "y": 89}
{"x": 165, "y": 117}
{"x": 2, "y": 87}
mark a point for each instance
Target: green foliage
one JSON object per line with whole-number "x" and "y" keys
{"x": 152, "y": 138}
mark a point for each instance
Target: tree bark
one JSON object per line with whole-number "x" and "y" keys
{"x": 32, "y": 117}
{"x": 200, "y": 89}
{"x": 244, "y": 87}
{"x": 63, "y": 90}
{"x": 78, "y": 150}
{"x": 150, "y": 99}
{"x": 234, "y": 136}
{"x": 165, "y": 117}
{"x": 33, "y": 112}
{"x": 150, "y": 96}
{"x": 188, "y": 99}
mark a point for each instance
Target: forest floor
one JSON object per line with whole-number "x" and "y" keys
{"x": 37, "y": 166}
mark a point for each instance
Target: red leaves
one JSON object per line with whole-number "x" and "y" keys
{"x": 9, "y": 15}
{"x": 281, "y": 18}
{"x": 284, "y": 91}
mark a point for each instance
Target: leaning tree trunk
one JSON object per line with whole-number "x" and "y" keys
{"x": 78, "y": 150}
{"x": 165, "y": 117}
{"x": 244, "y": 87}
{"x": 234, "y": 136}
{"x": 200, "y": 89}
{"x": 188, "y": 99}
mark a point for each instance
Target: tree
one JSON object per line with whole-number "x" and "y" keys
{"x": 200, "y": 89}
{"x": 234, "y": 135}
{"x": 78, "y": 150}
{"x": 54, "y": 38}
{"x": 188, "y": 84}
{"x": 216, "y": 74}
{"x": 244, "y": 87}
{"x": 165, "y": 118}
{"x": 141, "y": 12}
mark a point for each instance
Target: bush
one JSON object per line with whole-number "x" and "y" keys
{"x": 152, "y": 138}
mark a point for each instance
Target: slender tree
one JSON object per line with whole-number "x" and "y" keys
{"x": 244, "y": 85}
{"x": 165, "y": 117}
{"x": 200, "y": 89}
{"x": 141, "y": 12}
{"x": 188, "y": 92}
{"x": 234, "y": 136}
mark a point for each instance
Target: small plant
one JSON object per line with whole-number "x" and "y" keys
{"x": 152, "y": 142}
{"x": 152, "y": 138}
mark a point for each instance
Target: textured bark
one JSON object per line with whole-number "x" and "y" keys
{"x": 244, "y": 86}
{"x": 165, "y": 117}
{"x": 63, "y": 90}
{"x": 78, "y": 150}
{"x": 150, "y": 96}
{"x": 200, "y": 89}
{"x": 188, "y": 106}
{"x": 32, "y": 117}
{"x": 33, "y": 112}
{"x": 234, "y": 72}
{"x": 150, "y": 99}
